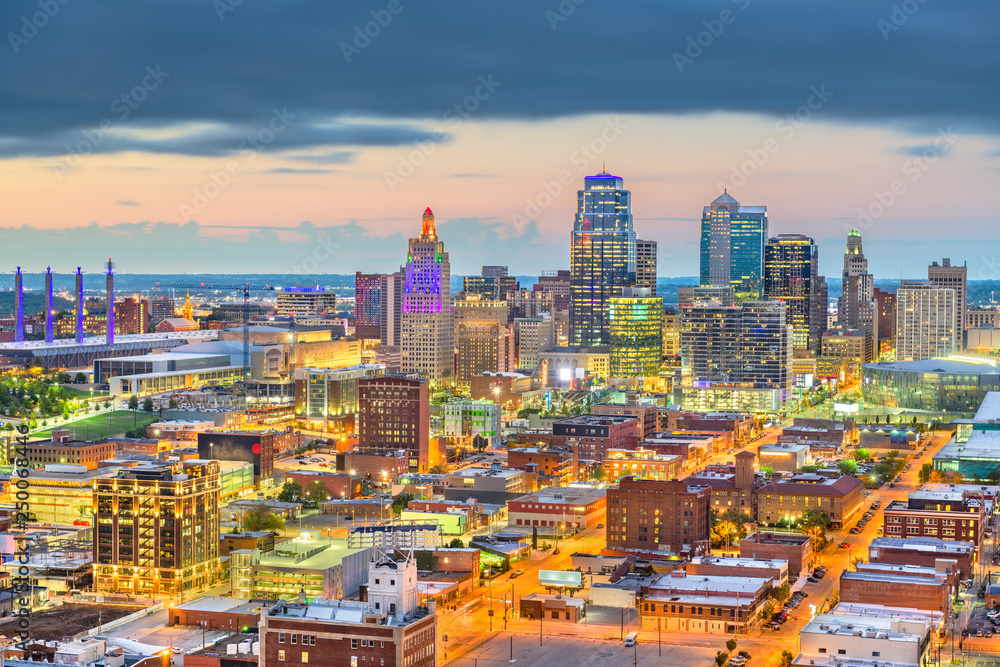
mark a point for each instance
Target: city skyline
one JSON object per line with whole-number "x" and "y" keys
{"x": 325, "y": 176}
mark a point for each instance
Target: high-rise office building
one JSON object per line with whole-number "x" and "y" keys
{"x": 926, "y": 321}
{"x": 957, "y": 278}
{"x": 602, "y": 256}
{"x": 367, "y": 305}
{"x": 427, "y": 338}
{"x": 558, "y": 284}
{"x": 529, "y": 303}
{"x": 303, "y": 301}
{"x": 160, "y": 308}
{"x": 157, "y": 528}
{"x": 492, "y": 283}
{"x": 533, "y": 335}
{"x": 394, "y": 414}
{"x": 645, "y": 265}
{"x": 636, "y": 321}
{"x": 391, "y": 308}
{"x": 689, "y": 296}
{"x": 485, "y": 342}
{"x": 735, "y": 357}
{"x": 856, "y": 307}
{"x": 886, "y": 315}
{"x": 732, "y": 246}
{"x": 791, "y": 275}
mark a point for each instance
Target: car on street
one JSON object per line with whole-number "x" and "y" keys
{"x": 516, "y": 573}
{"x": 812, "y": 580}
{"x": 844, "y": 545}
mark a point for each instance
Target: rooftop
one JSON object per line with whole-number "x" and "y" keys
{"x": 923, "y": 544}
{"x": 101, "y": 341}
{"x": 896, "y": 577}
{"x": 564, "y": 496}
{"x": 211, "y": 603}
{"x": 740, "y": 562}
{"x": 679, "y": 582}
{"x": 596, "y": 420}
{"x": 949, "y": 365}
{"x": 308, "y": 554}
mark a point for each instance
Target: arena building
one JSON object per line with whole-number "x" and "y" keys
{"x": 952, "y": 385}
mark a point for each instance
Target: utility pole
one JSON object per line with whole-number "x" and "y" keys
{"x": 541, "y": 618}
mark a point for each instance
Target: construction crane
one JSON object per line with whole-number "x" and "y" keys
{"x": 244, "y": 289}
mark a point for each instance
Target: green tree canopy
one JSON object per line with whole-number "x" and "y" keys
{"x": 848, "y": 467}
{"x": 316, "y": 492}
{"x": 259, "y": 518}
{"x": 80, "y": 378}
{"x": 172, "y": 405}
{"x": 291, "y": 492}
{"x": 815, "y": 523}
{"x": 400, "y": 502}
{"x": 456, "y": 544}
{"x": 147, "y": 404}
{"x": 133, "y": 402}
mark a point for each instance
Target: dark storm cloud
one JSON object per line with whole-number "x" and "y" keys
{"x": 913, "y": 63}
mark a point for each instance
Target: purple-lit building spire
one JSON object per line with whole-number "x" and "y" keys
{"x": 427, "y": 336}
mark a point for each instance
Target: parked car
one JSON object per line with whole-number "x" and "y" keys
{"x": 812, "y": 580}
{"x": 844, "y": 545}
{"x": 517, "y": 573}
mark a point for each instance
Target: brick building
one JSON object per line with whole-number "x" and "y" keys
{"x": 796, "y": 549}
{"x": 733, "y": 489}
{"x": 594, "y": 435}
{"x": 703, "y": 604}
{"x": 647, "y": 514}
{"x": 261, "y": 539}
{"x": 256, "y": 447}
{"x": 642, "y": 463}
{"x": 948, "y": 511}
{"x": 648, "y": 415}
{"x": 216, "y": 613}
{"x": 775, "y": 570}
{"x": 558, "y": 510}
{"x": 924, "y": 551}
{"x": 338, "y": 484}
{"x": 898, "y": 586}
{"x": 63, "y": 450}
{"x": 394, "y": 414}
{"x": 742, "y": 426}
{"x": 388, "y": 629}
{"x": 840, "y": 498}
{"x": 557, "y": 465}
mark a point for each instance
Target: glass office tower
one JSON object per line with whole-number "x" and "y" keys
{"x": 733, "y": 237}
{"x": 602, "y": 257}
{"x": 636, "y": 321}
{"x": 791, "y": 268}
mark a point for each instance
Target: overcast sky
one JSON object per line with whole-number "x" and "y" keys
{"x": 308, "y": 137}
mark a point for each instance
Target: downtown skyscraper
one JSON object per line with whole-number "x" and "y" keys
{"x": 602, "y": 257}
{"x": 427, "y": 338}
{"x": 856, "y": 307}
{"x": 791, "y": 275}
{"x": 733, "y": 237}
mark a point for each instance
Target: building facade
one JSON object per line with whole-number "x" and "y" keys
{"x": 957, "y": 278}
{"x": 428, "y": 330}
{"x": 636, "y": 333}
{"x": 485, "y": 343}
{"x": 602, "y": 256}
{"x": 302, "y": 301}
{"x": 325, "y": 395}
{"x": 464, "y": 419}
{"x": 157, "y": 528}
{"x": 655, "y": 515}
{"x": 368, "y": 305}
{"x": 926, "y": 321}
{"x": 856, "y": 307}
{"x": 394, "y": 414}
{"x": 733, "y": 237}
{"x": 645, "y": 265}
{"x": 791, "y": 275}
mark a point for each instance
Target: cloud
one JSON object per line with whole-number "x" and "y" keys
{"x": 127, "y": 202}
{"x": 467, "y": 175}
{"x": 334, "y": 157}
{"x": 227, "y": 75}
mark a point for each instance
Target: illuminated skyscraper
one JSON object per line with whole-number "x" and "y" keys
{"x": 732, "y": 246}
{"x": 956, "y": 277}
{"x": 856, "y": 307}
{"x": 645, "y": 265}
{"x": 367, "y": 305}
{"x": 791, "y": 275}
{"x": 427, "y": 337}
{"x": 602, "y": 256}
{"x": 636, "y": 320}
{"x": 926, "y": 320}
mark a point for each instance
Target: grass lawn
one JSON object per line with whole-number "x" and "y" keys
{"x": 80, "y": 393}
{"x": 102, "y": 425}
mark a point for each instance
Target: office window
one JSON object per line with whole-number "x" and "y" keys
{"x": 841, "y": 651}
{"x": 281, "y": 654}
{"x": 305, "y": 656}
{"x": 281, "y": 637}
{"x": 822, "y": 650}
{"x": 295, "y": 638}
{"x": 354, "y": 643}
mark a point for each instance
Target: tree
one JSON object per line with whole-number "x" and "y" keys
{"x": 63, "y": 378}
{"x": 814, "y": 523}
{"x": 80, "y": 378}
{"x": 768, "y": 609}
{"x": 438, "y": 469}
{"x": 924, "y": 475}
{"x": 316, "y": 492}
{"x": 107, "y": 404}
{"x": 133, "y": 402}
{"x": 479, "y": 443}
{"x": 809, "y": 467}
{"x": 147, "y": 404}
{"x": 721, "y": 657}
{"x": 598, "y": 473}
{"x": 782, "y": 592}
{"x": 400, "y": 502}
{"x": 994, "y": 477}
{"x": 259, "y": 518}
{"x": 786, "y": 659}
{"x": 731, "y": 645}
{"x": 729, "y": 527}
{"x": 172, "y": 405}
{"x": 862, "y": 455}
{"x": 848, "y": 467}
{"x": 291, "y": 492}
{"x": 456, "y": 544}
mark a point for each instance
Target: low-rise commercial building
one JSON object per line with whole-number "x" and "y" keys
{"x": 366, "y": 508}
{"x": 949, "y": 511}
{"x": 338, "y": 484}
{"x": 680, "y": 602}
{"x": 924, "y": 551}
{"x": 784, "y": 457}
{"x": 463, "y": 420}
{"x": 559, "y": 510}
{"x": 553, "y": 607}
{"x": 841, "y": 498}
{"x": 594, "y": 435}
{"x": 260, "y": 539}
{"x": 216, "y": 613}
{"x": 322, "y": 567}
{"x": 555, "y": 465}
{"x": 488, "y": 485}
{"x": 63, "y": 450}
{"x": 895, "y": 585}
{"x": 641, "y": 463}
{"x": 721, "y": 566}
{"x": 868, "y": 635}
{"x": 63, "y": 494}
{"x": 648, "y": 415}
{"x": 796, "y": 549}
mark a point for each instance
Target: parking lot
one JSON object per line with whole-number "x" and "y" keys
{"x": 582, "y": 652}
{"x": 317, "y": 462}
